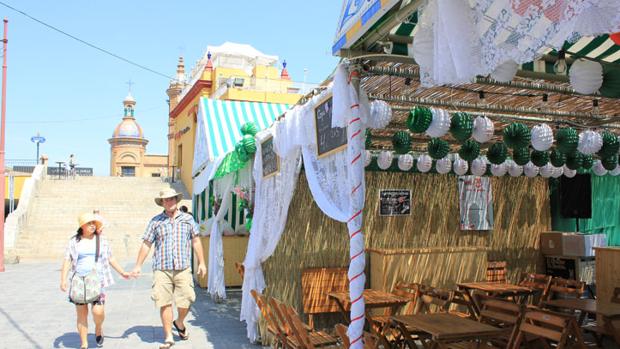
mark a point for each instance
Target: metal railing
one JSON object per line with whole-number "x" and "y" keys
{"x": 12, "y": 163}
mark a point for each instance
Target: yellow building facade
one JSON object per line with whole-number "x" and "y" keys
{"x": 227, "y": 72}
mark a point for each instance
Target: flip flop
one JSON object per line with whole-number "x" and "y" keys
{"x": 166, "y": 345}
{"x": 182, "y": 333}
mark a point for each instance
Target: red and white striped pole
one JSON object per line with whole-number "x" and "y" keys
{"x": 355, "y": 149}
{"x": 2, "y": 131}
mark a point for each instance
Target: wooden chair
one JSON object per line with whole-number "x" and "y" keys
{"x": 240, "y": 269}
{"x": 300, "y": 335}
{"x": 565, "y": 288}
{"x": 548, "y": 328}
{"x": 496, "y": 271}
{"x": 503, "y": 314}
{"x": 609, "y": 329}
{"x": 539, "y": 283}
{"x": 370, "y": 340}
{"x": 433, "y": 299}
{"x": 381, "y": 324}
{"x": 274, "y": 325}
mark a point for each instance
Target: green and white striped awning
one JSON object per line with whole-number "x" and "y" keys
{"x": 223, "y": 120}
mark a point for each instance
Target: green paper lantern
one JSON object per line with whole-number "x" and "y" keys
{"x": 497, "y": 153}
{"x": 557, "y": 158}
{"x": 566, "y": 140}
{"x": 438, "y": 148}
{"x": 574, "y": 160}
{"x": 242, "y": 154}
{"x": 539, "y": 158}
{"x": 419, "y": 119}
{"x": 587, "y": 162}
{"x": 401, "y": 141}
{"x": 517, "y": 136}
{"x": 249, "y": 144}
{"x": 610, "y": 145}
{"x": 461, "y": 126}
{"x": 469, "y": 150}
{"x": 521, "y": 156}
{"x": 249, "y": 128}
{"x": 368, "y": 142}
{"x": 610, "y": 163}
{"x": 611, "y": 81}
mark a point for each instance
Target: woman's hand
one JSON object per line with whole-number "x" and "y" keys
{"x": 63, "y": 286}
{"x": 125, "y": 275}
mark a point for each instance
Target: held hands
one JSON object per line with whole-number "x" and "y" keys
{"x": 126, "y": 275}
{"x": 202, "y": 270}
{"x": 135, "y": 273}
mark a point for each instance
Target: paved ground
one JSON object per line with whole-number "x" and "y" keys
{"x": 34, "y": 313}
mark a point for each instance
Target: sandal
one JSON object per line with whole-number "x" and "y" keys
{"x": 166, "y": 345}
{"x": 182, "y": 333}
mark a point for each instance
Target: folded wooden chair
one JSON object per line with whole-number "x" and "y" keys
{"x": 539, "y": 283}
{"x": 496, "y": 271}
{"x": 240, "y": 269}
{"x": 370, "y": 340}
{"x": 565, "y": 288}
{"x": 273, "y": 324}
{"x": 611, "y": 328}
{"x": 549, "y": 329}
{"x": 300, "y": 336}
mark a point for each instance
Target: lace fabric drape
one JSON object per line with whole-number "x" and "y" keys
{"x": 215, "y": 279}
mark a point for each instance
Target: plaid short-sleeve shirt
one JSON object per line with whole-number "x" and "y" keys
{"x": 171, "y": 239}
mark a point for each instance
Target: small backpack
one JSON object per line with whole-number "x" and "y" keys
{"x": 86, "y": 289}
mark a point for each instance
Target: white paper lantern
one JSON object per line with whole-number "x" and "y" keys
{"x": 367, "y": 158}
{"x": 513, "y": 169}
{"x": 598, "y": 168}
{"x": 380, "y": 114}
{"x": 542, "y": 137}
{"x": 505, "y": 72}
{"x": 546, "y": 171}
{"x": 569, "y": 173}
{"x": 425, "y": 162}
{"x": 557, "y": 172}
{"x": 460, "y": 166}
{"x": 443, "y": 166}
{"x": 479, "y": 166}
{"x": 440, "y": 125}
{"x": 530, "y": 170}
{"x": 590, "y": 142}
{"x": 498, "y": 170}
{"x": 615, "y": 171}
{"x": 384, "y": 160}
{"x": 483, "y": 129}
{"x": 586, "y": 77}
{"x": 405, "y": 162}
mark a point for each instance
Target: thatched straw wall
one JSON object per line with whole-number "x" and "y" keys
{"x": 311, "y": 239}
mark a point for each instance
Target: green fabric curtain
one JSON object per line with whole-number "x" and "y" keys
{"x": 231, "y": 163}
{"x": 605, "y": 209}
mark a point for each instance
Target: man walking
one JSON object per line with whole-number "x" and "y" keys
{"x": 172, "y": 233}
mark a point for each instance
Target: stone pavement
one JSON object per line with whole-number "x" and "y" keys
{"x": 34, "y": 313}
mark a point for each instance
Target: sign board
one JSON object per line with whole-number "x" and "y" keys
{"x": 475, "y": 203}
{"x": 328, "y": 139}
{"x": 394, "y": 202}
{"x": 271, "y": 161}
{"x": 356, "y": 17}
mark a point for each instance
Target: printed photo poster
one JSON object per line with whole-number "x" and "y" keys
{"x": 394, "y": 202}
{"x": 475, "y": 203}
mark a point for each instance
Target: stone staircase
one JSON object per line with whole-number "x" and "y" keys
{"x": 126, "y": 204}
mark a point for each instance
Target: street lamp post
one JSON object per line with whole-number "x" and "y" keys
{"x": 37, "y": 139}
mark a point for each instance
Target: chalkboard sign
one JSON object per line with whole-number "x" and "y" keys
{"x": 328, "y": 139}
{"x": 394, "y": 202}
{"x": 271, "y": 161}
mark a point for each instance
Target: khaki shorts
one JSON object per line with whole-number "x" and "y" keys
{"x": 173, "y": 284}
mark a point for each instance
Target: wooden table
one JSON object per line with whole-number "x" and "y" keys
{"x": 372, "y": 299}
{"x": 495, "y": 289}
{"x": 444, "y": 328}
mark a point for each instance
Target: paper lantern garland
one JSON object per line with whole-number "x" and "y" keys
{"x": 443, "y": 166}
{"x": 557, "y": 172}
{"x": 590, "y": 142}
{"x": 566, "y": 140}
{"x": 469, "y": 150}
{"x": 530, "y": 170}
{"x": 461, "y": 126}
{"x": 598, "y": 168}
{"x": 384, "y": 160}
{"x": 569, "y": 173}
{"x": 424, "y": 163}
{"x": 557, "y": 158}
{"x": 498, "y": 170}
{"x": 521, "y": 156}
{"x": 574, "y": 161}
{"x": 505, "y": 72}
{"x": 514, "y": 170}
{"x": 419, "y": 119}
{"x": 483, "y": 129}
{"x": 497, "y": 153}
{"x": 615, "y": 171}
{"x": 546, "y": 171}
{"x": 542, "y": 137}
{"x": 367, "y": 158}
{"x": 539, "y": 158}
{"x": 610, "y": 145}
{"x": 368, "y": 141}
{"x": 587, "y": 161}
{"x": 401, "y": 141}
{"x": 438, "y": 148}
{"x": 460, "y": 166}
{"x": 479, "y": 167}
{"x": 249, "y": 128}
{"x": 405, "y": 162}
{"x": 517, "y": 135}
{"x": 440, "y": 125}
{"x": 586, "y": 77}
{"x": 380, "y": 114}
{"x": 610, "y": 163}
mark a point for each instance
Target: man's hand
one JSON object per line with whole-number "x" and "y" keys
{"x": 136, "y": 272}
{"x": 202, "y": 270}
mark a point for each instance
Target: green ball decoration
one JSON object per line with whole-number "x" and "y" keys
{"x": 497, "y": 153}
{"x": 469, "y": 150}
{"x": 567, "y": 139}
{"x": 610, "y": 163}
{"x": 419, "y": 119}
{"x": 461, "y": 126}
{"x": 242, "y": 154}
{"x": 574, "y": 160}
{"x": 557, "y": 158}
{"x": 249, "y": 144}
{"x": 539, "y": 158}
{"x": 610, "y": 145}
{"x": 587, "y": 162}
{"x": 368, "y": 142}
{"x": 517, "y": 135}
{"x": 521, "y": 156}
{"x": 249, "y": 128}
{"x": 438, "y": 148}
{"x": 401, "y": 141}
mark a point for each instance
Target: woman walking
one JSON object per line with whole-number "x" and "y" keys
{"x": 89, "y": 258}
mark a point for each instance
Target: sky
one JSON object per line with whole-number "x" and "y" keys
{"x": 72, "y": 94}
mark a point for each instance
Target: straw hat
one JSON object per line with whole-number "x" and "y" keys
{"x": 167, "y": 193}
{"x": 89, "y": 217}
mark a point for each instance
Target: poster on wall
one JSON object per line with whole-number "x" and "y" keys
{"x": 475, "y": 203}
{"x": 394, "y": 202}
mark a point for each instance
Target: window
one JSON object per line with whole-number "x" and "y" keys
{"x": 180, "y": 155}
{"x": 128, "y": 171}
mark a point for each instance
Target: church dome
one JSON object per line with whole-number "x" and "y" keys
{"x": 128, "y": 128}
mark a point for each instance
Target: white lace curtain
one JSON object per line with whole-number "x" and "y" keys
{"x": 215, "y": 279}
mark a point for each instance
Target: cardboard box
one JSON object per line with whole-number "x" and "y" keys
{"x": 552, "y": 243}
{"x": 582, "y": 245}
